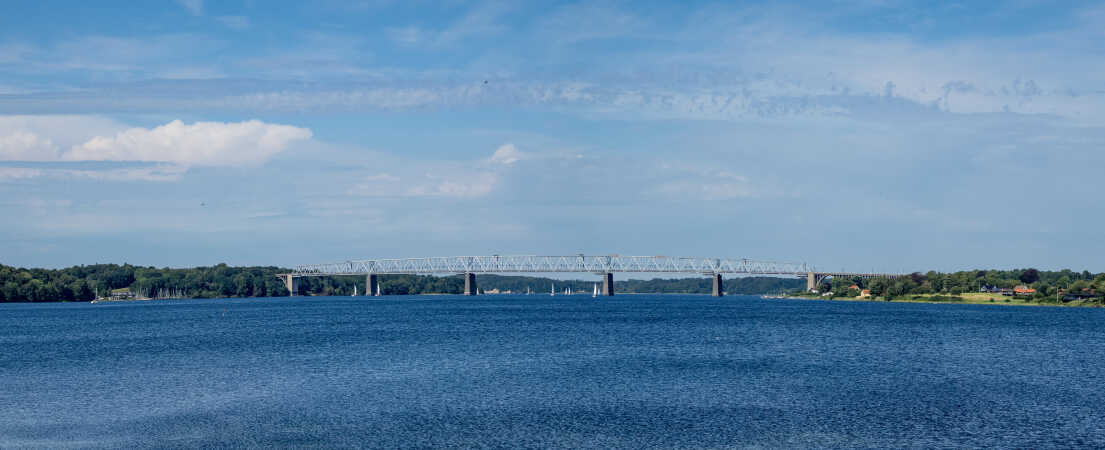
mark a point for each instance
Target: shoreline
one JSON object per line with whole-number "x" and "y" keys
{"x": 968, "y": 299}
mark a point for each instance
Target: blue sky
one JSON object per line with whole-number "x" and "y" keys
{"x": 857, "y": 135}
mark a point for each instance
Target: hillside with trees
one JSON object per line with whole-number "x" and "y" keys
{"x": 1042, "y": 286}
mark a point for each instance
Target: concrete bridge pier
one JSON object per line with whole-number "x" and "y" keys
{"x": 608, "y": 284}
{"x": 719, "y": 286}
{"x": 470, "y": 287}
{"x": 292, "y": 284}
{"x": 371, "y": 285}
{"x": 813, "y": 281}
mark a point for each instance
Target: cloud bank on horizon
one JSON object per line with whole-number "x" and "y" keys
{"x": 896, "y": 135}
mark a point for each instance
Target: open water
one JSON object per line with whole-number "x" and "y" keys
{"x": 536, "y": 371}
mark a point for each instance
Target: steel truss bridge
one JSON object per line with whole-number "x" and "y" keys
{"x": 552, "y": 264}
{"x": 605, "y": 265}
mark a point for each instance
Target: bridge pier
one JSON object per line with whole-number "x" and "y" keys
{"x": 608, "y": 284}
{"x": 719, "y": 286}
{"x": 371, "y": 285}
{"x": 292, "y": 284}
{"x": 470, "y": 287}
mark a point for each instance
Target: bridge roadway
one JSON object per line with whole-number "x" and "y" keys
{"x": 603, "y": 265}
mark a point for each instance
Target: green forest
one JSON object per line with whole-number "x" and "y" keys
{"x": 86, "y": 283}
{"x": 1046, "y": 286}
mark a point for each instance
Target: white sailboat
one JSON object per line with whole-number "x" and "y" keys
{"x": 552, "y": 290}
{"x": 354, "y": 290}
{"x": 595, "y": 293}
{"x": 378, "y": 291}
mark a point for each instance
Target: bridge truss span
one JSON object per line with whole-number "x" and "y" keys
{"x": 553, "y": 264}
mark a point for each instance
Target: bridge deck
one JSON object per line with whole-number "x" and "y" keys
{"x": 553, "y": 264}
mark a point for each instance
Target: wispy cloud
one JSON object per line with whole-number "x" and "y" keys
{"x": 156, "y": 173}
{"x": 429, "y": 179}
{"x": 713, "y": 185}
{"x": 195, "y": 7}
{"x": 19, "y": 173}
{"x": 726, "y": 63}
{"x": 238, "y": 23}
{"x": 481, "y": 21}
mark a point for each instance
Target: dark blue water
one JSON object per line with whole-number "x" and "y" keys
{"x": 632, "y": 371}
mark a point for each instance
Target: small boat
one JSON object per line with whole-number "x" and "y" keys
{"x": 379, "y": 292}
{"x": 354, "y": 290}
{"x": 552, "y": 290}
{"x": 595, "y": 293}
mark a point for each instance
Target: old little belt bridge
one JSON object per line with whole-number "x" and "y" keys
{"x": 605, "y": 266}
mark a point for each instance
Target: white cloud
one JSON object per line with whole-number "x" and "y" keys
{"x": 201, "y": 144}
{"x": 22, "y": 145}
{"x": 172, "y": 148}
{"x": 506, "y": 155}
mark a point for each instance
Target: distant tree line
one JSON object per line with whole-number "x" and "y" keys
{"x": 1047, "y": 284}
{"x": 86, "y": 283}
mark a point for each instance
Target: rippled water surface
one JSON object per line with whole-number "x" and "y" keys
{"x": 538, "y": 371}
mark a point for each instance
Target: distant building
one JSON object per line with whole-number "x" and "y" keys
{"x": 1023, "y": 290}
{"x": 121, "y": 295}
{"x": 996, "y": 290}
{"x": 1085, "y": 293}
